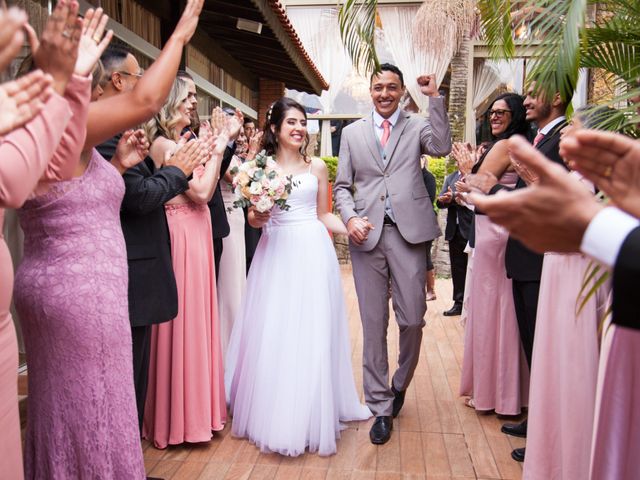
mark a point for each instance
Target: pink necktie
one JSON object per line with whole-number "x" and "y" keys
{"x": 538, "y": 138}
{"x": 386, "y": 131}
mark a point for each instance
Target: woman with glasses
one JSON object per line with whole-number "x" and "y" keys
{"x": 494, "y": 372}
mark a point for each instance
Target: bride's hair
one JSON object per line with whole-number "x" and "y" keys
{"x": 275, "y": 116}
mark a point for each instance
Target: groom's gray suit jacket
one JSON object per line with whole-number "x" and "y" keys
{"x": 366, "y": 173}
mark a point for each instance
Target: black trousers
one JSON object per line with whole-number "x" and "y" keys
{"x": 458, "y": 261}
{"x": 525, "y": 299}
{"x": 217, "y": 255}
{"x": 141, "y": 339}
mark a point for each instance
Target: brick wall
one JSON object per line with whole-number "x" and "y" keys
{"x": 268, "y": 92}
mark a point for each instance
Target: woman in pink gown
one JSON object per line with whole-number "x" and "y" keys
{"x": 25, "y": 153}
{"x": 494, "y": 370}
{"x": 565, "y": 371}
{"x": 185, "y": 397}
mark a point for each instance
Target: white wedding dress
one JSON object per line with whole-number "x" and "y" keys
{"x": 288, "y": 369}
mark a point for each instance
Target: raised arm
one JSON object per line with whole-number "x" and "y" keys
{"x": 126, "y": 110}
{"x": 435, "y": 136}
{"x": 204, "y": 182}
{"x": 333, "y": 223}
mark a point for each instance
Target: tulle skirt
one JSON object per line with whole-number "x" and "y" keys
{"x": 288, "y": 368}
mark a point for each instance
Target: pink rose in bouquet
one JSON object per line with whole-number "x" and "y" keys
{"x": 260, "y": 183}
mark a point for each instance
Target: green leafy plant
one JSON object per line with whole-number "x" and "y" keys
{"x": 332, "y": 166}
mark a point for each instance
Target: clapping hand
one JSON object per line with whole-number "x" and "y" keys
{"x": 428, "y": 85}
{"x": 552, "y": 214}
{"x": 92, "y": 41}
{"x": 188, "y": 154}
{"x": 523, "y": 172}
{"x": 446, "y": 197}
{"x": 57, "y": 50}
{"x": 255, "y": 144}
{"x": 22, "y": 99}
{"x": 132, "y": 148}
{"x": 609, "y": 160}
{"x": 464, "y": 155}
{"x": 481, "y": 181}
{"x": 11, "y": 36}
{"x": 234, "y": 124}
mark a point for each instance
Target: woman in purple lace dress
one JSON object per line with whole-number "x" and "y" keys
{"x": 71, "y": 293}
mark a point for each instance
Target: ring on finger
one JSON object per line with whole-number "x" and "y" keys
{"x": 66, "y": 34}
{"x": 97, "y": 38}
{"x": 607, "y": 171}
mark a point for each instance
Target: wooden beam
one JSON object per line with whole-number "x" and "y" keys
{"x": 218, "y": 55}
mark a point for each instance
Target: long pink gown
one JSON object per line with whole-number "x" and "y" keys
{"x": 564, "y": 372}
{"x": 233, "y": 265}
{"x": 185, "y": 396}
{"x": 616, "y": 440}
{"x": 24, "y": 157}
{"x": 494, "y": 369}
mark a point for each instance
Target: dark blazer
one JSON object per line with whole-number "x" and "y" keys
{"x": 521, "y": 263}
{"x": 457, "y": 215}
{"x": 153, "y": 297}
{"x": 626, "y": 275}
{"x": 219, "y": 221}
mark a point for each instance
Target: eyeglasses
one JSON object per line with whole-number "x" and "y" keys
{"x": 498, "y": 113}
{"x": 137, "y": 75}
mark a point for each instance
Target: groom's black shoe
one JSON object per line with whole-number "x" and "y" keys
{"x": 453, "y": 311}
{"x": 398, "y": 401}
{"x": 518, "y": 454}
{"x": 515, "y": 429}
{"x": 381, "y": 431}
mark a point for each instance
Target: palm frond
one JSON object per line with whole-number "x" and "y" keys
{"x": 557, "y": 60}
{"x": 496, "y": 24}
{"x": 357, "y": 21}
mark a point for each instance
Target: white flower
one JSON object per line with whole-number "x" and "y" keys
{"x": 274, "y": 184}
{"x": 255, "y": 188}
{"x": 264, "y": 204}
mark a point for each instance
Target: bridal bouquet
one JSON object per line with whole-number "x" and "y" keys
{"x": 260, "y": 183}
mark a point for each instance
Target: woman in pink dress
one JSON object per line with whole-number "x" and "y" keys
{"x": 494, "y": 371}
{"x": 71, "y": 288}
{"x": 185, "y": 397}
{"x": 26, "y": 152}
{"x": 565, "y": 370}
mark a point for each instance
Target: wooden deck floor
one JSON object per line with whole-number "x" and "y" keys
{"x": 435, "y": 436}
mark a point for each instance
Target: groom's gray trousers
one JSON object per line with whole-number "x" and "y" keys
{"x": 406, "y": 265}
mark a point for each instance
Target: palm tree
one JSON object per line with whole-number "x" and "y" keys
{"x": 562, "y": 34}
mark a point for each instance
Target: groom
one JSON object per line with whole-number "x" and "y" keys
{"x": 383, "y": 201}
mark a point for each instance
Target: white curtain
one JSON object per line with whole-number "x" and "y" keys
{"x": 397, "y": 23}
{"x": 318, "y": 29}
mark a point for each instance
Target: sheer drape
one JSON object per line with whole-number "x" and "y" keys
{"x": 397, "y": 23}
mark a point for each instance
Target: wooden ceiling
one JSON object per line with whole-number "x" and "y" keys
{"x": 276, "y": 53}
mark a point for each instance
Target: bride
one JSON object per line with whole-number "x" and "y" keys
{"x": 288, "y": 370}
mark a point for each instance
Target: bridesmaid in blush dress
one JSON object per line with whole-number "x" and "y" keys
{"x": 25, "y": 153}
{"x": 233, "y": 265}
{"x": 566, "y": 354}
{"x": 494, "y": 371}
{"x": 185, "y": 396}
{"x": 71, "y": 289}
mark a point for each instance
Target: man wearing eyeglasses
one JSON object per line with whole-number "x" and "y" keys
{"x": 121, "y": 71}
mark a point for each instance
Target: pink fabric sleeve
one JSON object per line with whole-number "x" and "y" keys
{"x": 26, "y": 151}
{"x": 67, "y": 156}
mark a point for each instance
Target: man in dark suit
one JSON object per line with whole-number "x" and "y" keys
{"x": 523, "y": 265}
{"x": 459, "y": 219}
